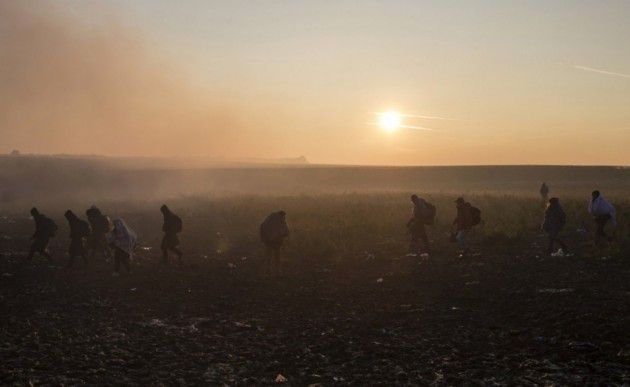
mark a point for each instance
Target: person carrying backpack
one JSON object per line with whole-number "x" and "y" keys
{"x": 45, "y": 228}
{"x": 555, "y": 219}
{"x": 467, "y": 217}
{"x": 100, "y": 226}
{"x": 603, "y": 212}
{"x": 79, "y": 231}
{"x": 171, "y": 227}
{"x": 273, "y": 231}
{"x": 422, "y": 214}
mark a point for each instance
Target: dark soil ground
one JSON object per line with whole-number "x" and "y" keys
{"x": 493, "y": 319}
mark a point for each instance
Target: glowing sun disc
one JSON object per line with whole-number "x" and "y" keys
{"x": 389, "y": 121}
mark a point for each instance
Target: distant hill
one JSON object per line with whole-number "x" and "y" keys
{"x": 26, "y": 180}
{"x": 163, "y": 162}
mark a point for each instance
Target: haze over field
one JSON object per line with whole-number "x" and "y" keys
{"x": 488, "y": 82}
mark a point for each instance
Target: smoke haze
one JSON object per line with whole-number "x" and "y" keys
{"x": 76, "y": 87}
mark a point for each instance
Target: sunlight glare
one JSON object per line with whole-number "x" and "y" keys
{"x": 390, "y": 121}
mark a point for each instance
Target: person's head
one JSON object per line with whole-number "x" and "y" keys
{"x": 34, "y": 211}
{"x": 595, "y": 194}
{"x": 119, "y": 225}
{"x": 69, "y": 215}
{"x": 554, "y": 201}
{"x": 414, "y": 198}
{"x": 92, "y": 211}
{"x": 282, "y": 213}
{"x": 164, "y": 209}
{"x": 460, "y": 201}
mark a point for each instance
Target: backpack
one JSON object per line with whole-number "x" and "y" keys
{"x": 475, "y": 216}
{"x": 273, "y": 228}
{"x": 103, "y": 224}
{"x": 177, "y": 224}
{"x": 83, "y": 228}
{"x": 429, "y": 214}
{"x": 49, "y": 226}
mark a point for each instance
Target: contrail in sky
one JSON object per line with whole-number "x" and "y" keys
{"x": 406, "y": 127}
{"x": 584, "y": 68}
{"x": 416, "y": 127}
{"x": 428, "y": 117}
{"x": 422, "y": 116}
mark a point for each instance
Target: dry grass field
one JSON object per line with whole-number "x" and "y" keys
{"x": 350, "y": 307}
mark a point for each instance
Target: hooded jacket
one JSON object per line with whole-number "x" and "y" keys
{"x": 601, "y": 207}
{"x": 123, "y": 237}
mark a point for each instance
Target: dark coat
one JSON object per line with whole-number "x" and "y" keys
{"x": 274, "y": 228}
{"x": 172, "y": 223}
{"x": 555, "y": 219}
{"x": 463, "y": 221}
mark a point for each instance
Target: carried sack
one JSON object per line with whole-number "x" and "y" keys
{"x": 49, "y": 226}
{"x": 429, "y": 214}
{"x": 177, "y": 224}
{"x": 475, "y": 216}
{"x": 273, "y": 228}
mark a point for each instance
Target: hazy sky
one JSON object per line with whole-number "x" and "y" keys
{"x": 534, "y": 82}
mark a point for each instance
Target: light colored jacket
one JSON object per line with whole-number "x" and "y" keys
{"x": 601, "y": 207}
{"x": 123, "y": 237}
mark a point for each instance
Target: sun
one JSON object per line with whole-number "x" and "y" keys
{"x": 389, "y": 121}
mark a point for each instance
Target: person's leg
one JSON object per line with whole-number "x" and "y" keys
{"x": 43, "y": 250}
{"x": 104, "y": 249}
{"x": 126, "y": 260}
{"x": 425, "y": 240}
{"x": 178, "y": 253}
{"x": 276, "y": 261}
{"x": 73, "y": 251}
{"x": 600, "y": 234}
{"x": 164, "y": 246}
{"x": 462, "y": 241}
{"x": 551, "y": 238}
{"x": 70, "y": 258}
{"x": 563, "y": 246}
{"x": 268, "y": 259}
{"x": 116, "y": 261}
{"x": 413, "y": 243}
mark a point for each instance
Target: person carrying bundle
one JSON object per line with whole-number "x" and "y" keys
{"x": 171, "y": 227}
{"x": 45, "y": 228}
{"x": 79, "y": 231}
{"x": 422, "y": 214}
{"x": 123, "y": 240}
{"x": 467, "y": 217}
{"x": 555, "y": 219}
{"x": 101, "y": 226}
{"x": 603, "y": 212}
{"x": 273, "y": 231}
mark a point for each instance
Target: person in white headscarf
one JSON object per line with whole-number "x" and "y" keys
{"x": 603, "y": 212}
{"x": 123, "y": 240}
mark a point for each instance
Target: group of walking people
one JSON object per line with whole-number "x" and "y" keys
{"x": 113, "y": 240}
{"x": 424, "y": 213}
{"x": 468, "y": 216}
{"x": 116, "y": 241}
